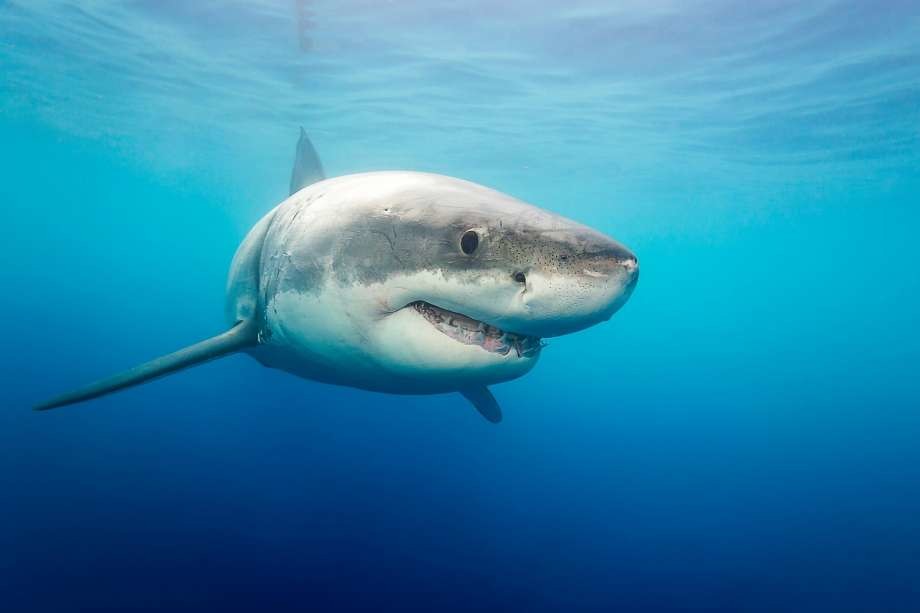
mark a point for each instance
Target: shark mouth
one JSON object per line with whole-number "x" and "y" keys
{"x": 472, "y": 332}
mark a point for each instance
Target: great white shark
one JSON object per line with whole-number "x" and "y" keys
{"x": 406, "y": 283}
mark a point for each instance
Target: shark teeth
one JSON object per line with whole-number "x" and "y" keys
{"x": 473, "y": 332}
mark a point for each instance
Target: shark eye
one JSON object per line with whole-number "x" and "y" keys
{"x": 469, "y": 241}
{"x": 520, "y": 277}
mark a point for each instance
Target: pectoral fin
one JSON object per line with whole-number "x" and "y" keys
{"x": 484, "y": 402}
{"x": 239, "y": 337}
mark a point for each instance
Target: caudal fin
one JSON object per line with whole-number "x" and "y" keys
{"x": 239, "y": 337}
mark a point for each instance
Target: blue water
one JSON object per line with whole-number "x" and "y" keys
{"x": 742, "y": 436}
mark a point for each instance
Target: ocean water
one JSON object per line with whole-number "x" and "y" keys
{"x": 741, "y": 436}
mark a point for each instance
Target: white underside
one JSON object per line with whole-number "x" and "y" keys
{"x": 363, "y": 337}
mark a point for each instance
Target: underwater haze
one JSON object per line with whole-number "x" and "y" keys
{"x": 744, "y": 435}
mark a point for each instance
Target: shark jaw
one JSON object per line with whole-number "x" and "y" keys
{"x": 470, "y": 331}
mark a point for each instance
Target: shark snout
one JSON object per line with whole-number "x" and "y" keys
{"x": 605, "y": 258}
{"x": 620, "y": 268}
{"x": 592, "y": 281}
{"x": 629, "y": 264}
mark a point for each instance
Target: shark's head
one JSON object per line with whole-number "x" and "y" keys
{"x": 447, "y": 281}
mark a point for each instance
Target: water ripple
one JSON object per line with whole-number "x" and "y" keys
{"x": 701, "y": 82}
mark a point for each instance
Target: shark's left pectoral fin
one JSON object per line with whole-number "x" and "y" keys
{"x": 240, "y": 337}
{"x": 484, "y": 402}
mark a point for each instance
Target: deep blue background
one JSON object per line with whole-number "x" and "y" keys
{"x": 741, "y": 437}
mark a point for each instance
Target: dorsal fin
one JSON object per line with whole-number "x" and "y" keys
{"x": 240, "y": 336}
{"x": 307, "y": 167}
{"x": 484, "y": 402}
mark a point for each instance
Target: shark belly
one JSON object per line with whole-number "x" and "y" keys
{"x": 321, "y": 336}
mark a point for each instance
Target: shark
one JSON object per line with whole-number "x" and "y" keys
{"x": 403, "y": 282}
